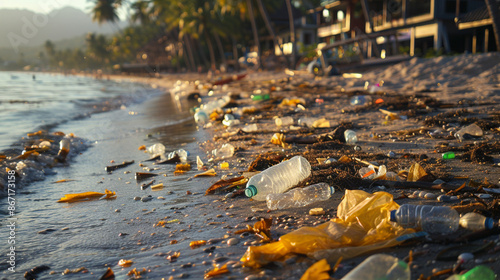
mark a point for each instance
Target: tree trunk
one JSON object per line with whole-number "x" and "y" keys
{"x": 235, "y": 54}
{"x": 270, "y": 28}
{"x": 221, "y": 51}
{"x": 211, "y": 52}
{"x": 190, "y": 52}
{"x": 254, "y": 31}
{"x": 495, "y": 17}
{"x": 292, "y": 32}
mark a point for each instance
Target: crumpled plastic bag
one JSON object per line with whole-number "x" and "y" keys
{"x": 362, "y": 226}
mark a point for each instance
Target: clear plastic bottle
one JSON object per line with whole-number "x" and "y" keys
{"x": 480, "y": 272}
{"x": 306, "y": 121}
{"x": 299, "y": 197}
{"x": 475, "y": 221}
{"x": 284, "y": 121}
{"x": 64, "y": 147}
{"x": 432, "y": 219}
{"x": 278, "y": 178}
{"x": 201, "y": 117}
{"x": 380, "y": 266}
{"x": 350, "y": 137}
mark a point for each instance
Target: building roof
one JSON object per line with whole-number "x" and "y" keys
{"x": 476, "y": 15}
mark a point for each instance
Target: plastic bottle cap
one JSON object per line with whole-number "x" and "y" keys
{"x": 393, "y": 216}
{"x": 488, "y": 223}
{"x": 250, "y": 191}
{"x": 332, "y": 190}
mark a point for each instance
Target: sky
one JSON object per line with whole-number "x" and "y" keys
{"x": 46, "y": 6}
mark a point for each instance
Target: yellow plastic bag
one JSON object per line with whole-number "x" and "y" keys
{"x": 362, "y": 226}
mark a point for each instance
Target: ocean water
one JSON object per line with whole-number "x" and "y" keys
{"x": 30, "y": 102}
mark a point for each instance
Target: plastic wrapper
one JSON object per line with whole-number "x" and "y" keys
{"x": 362, "y": 226}
{"x": 87, "y": 196}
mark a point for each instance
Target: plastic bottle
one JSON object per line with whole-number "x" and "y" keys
{"x": 229, "y": 120}
{"x": 480, "y": 272}
{"x": 278, "y": 178}
{"x": 299, "y": 197}
{"x": 201, "y": 117}
{"x": 156, "y": 149}
{"x": 360, "y": 100}
{"x": 448, "y": 155}
{"x": 380, "y": 266}
{"x": 64, "y": 147}
{"x": 432, "y": 219}
{"x": 475, "y": 221}
{"x": 350, "y": 137}
{"x": 284, "y": 121}
{"x": 183, "y": 154}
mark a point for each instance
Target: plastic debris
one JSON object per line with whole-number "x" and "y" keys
{"x": 157, "y": 149}
{"x": 360, "y": 100}
{"x": 480, "y": 272}
{"x": 108, "y": 275}
{"x": 210, "y": 172}
{"x": 225, "y": 151}
{"x": 416, "y": 172}
{"x": 475, "y": 221}
{"x": 468, "y": 132}
{"x": 87, "y": 196}
{"x": 350, "y": 137}
{"x": 362, "y": 226}
{"x": 380, "y": 266}
{"x": 299, "y": 197}
{"x": 216, "y": 271}
{"x": 125, "y": 263}
{"x": 157, "y": 186}
{"x": 318, "y": 271}
{"x": 278, "y": 178}
{"x": 197, "y": 243}
{"x": 433, "y": 219}
{"x": 284, "y": 121}
{"x": 182, "y": 167}
{"x": 118, "y": 166}
{"x": 448, "y": 155}
{"x": 199, "y": 163}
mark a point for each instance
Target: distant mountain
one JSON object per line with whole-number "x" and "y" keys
{"x": 23, "y": 28}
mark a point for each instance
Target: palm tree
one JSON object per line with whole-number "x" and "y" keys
{"x": 105, "y": 11}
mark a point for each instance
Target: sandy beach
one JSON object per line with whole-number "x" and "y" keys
{"x": 412, "y": 112}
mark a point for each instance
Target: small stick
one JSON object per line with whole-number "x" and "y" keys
{"x": 121, "y": 165}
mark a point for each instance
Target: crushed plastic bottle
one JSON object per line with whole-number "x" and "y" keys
{"x": 181, "y": 153}
{"x": 157, "y": 149}
{"x": 278, "y": 178}
{"x": 350, "y": 137}
{"x": 470, "y": 131}
{"x": 299, "y": 197}
{"x": 480, "y": 272}
{"x": 475, "y": 221}
{"x": 225, "y": 151}
{"x": 284, "y": 121}
{"x": 201, "y": 117}
{"x": 380, "y": 266}
{"x": 432, "y": 219}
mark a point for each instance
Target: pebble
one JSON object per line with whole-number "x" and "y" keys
{"x": 137, "y": 198}
{"x": 232, "y": 241}
{"x": 214, "y": 240}
{"x": 484, "y": 196}
{"x": 391, "y": 154}
{"x": 46, "y": 231}
{"x": 146, "y": 198}
{"x": 357, "y": 148}
{"x": 430, "y": 196}
{"x": 118, "y": 210}
{"x": 161, "y": 198}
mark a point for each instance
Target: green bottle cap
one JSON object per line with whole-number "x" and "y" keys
{"x": 250, "y": 191}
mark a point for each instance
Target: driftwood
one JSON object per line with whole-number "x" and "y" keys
{"x": 121, "y": 165}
